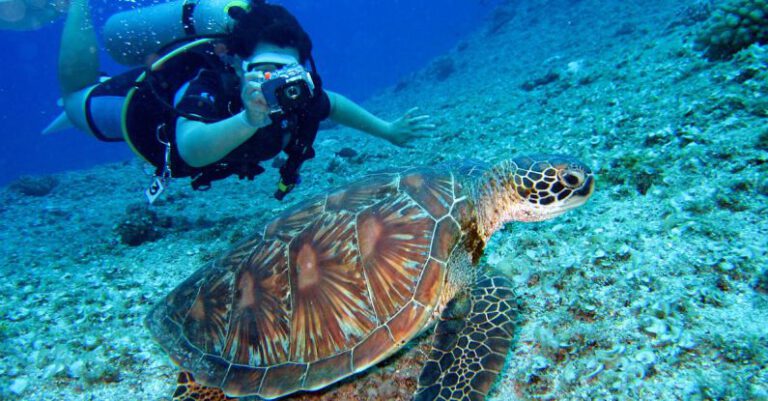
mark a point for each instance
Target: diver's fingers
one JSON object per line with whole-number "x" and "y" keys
{"x": 416, "y": 119}
{"x": 252, "y": 89}
{"x": 248, "y": 87}
{"x": 411, "y": 111}
{"x": 424, "y": 127}
{"x": 259, "y": 100}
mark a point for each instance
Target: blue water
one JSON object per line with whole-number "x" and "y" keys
{"x": 360, "y": 47}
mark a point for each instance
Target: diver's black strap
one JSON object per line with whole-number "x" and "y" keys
{"x": 299, "y": 149}
{"x": 187, "y": 20}
{"x": 203, "y": 180}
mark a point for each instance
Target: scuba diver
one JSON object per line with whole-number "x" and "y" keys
{"x": 235, "y": 85}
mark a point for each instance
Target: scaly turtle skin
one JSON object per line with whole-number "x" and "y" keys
{"x": 338, "y": 283}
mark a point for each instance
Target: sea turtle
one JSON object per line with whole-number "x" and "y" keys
{"x": 338, "y": 283}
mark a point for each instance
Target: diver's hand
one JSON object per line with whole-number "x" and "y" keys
{"x": 408, "y": 127}
{"x": 256, "y": 109}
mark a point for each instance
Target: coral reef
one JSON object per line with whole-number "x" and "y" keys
{"x": 501, "y": 17}
{"x": 753, "y": 72}
{"x": 346, "y": 153}
{"x": 735, "y": 25}
{"x": 140, "y": 225}
{"x": 442, "y": 68}
{"x": 545, "y": 79}
{"x": 34, "y": 185}
{"x": 761, "y": 282}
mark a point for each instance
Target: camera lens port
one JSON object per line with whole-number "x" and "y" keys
{"x": 293, "y": 92}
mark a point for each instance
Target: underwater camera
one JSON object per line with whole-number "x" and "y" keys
{"x": 287, "y": 89}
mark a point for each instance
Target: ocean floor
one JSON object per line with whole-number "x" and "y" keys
{"x": 657, "y": 289}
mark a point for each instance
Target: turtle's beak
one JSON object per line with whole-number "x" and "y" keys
{"x": 578, "y": 197}
{"x": 586, "y": 191}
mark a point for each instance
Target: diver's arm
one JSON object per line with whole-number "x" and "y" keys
{"x": 349, "y": 113}
{"x": 201, "y": 144}
{"x": 399, "y": 132}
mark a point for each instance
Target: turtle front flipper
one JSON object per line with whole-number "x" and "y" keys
{"x": 470, "y": 344}
{"x": 187, "y": 389}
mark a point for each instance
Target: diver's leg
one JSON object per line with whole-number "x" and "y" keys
{"x": 78, "y": 57}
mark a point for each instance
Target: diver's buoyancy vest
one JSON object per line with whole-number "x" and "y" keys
{"x": 149, "y": 118}
{"x": 148, "y": 114}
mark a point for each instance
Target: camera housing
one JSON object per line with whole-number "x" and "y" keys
{"x": 287, "y": 89}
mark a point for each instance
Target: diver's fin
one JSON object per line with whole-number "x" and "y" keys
{"x": 58, "y": 124}
{"x": 188, "y": 389}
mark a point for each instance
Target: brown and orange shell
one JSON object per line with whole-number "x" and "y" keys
{"x": 331, "y": 287}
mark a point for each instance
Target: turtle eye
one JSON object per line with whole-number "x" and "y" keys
{"x": 573, "y": 178}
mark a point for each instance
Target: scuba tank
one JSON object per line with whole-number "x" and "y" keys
{"x": 132, "y": 36}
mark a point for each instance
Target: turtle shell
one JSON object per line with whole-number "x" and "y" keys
{"x": 331, "y": 287}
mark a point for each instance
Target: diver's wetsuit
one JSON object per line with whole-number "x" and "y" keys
{"x": 207, "y": 96}
{"x": 213, "y": 96}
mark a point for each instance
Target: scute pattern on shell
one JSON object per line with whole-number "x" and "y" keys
{"x": 332, "y": 302}
{"x": 261, "y": 308}
{"x": 333, "y": 285}
{"x": 394, "y": 239}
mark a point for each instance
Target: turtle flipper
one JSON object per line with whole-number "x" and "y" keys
{"x": 470, "y": 344}
{"x": 187, "y": 389}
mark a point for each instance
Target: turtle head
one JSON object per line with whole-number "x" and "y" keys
{"x": 531, "y": 188}
{"x": 546, "y": 186}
